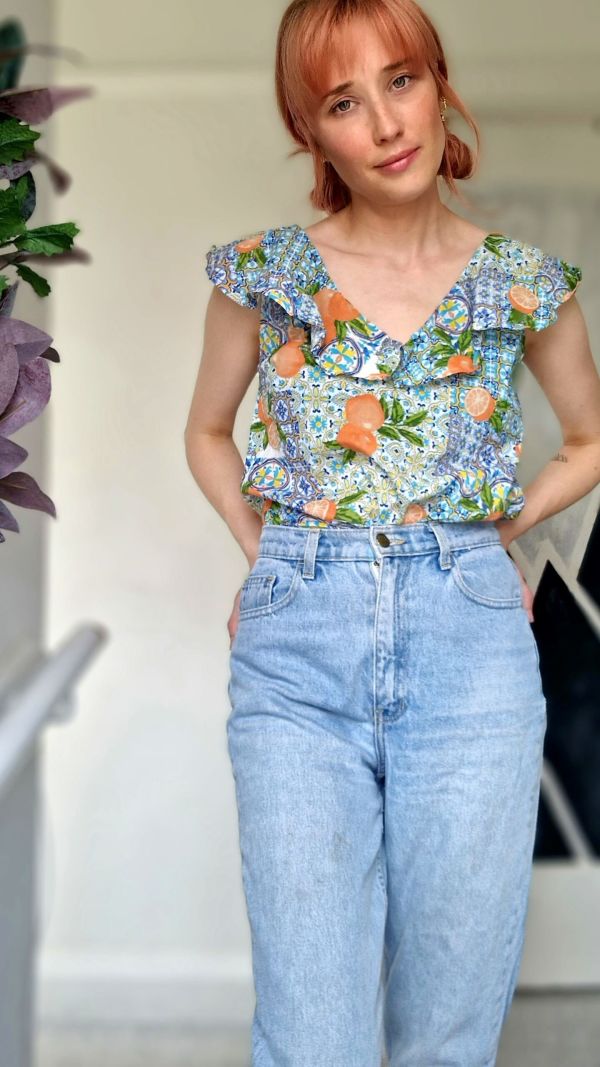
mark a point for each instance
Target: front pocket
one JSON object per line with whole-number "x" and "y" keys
{"x": 272, "y": 583}
{"x": 487, "y": 575}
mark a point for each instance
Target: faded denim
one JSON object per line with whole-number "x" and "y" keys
{"x": 386, "y": 735}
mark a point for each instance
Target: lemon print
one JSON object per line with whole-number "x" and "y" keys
{"x": 471, "y": 481}
{"x": 340, "y": 358}
{"x": 453, "y": 315}
{"x": 269, "y": 474}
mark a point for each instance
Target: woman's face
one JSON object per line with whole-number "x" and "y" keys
{"x": 382, "y": 113}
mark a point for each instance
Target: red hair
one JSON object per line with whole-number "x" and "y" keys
{"x": 309, "y": 34}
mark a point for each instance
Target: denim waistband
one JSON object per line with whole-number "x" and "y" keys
{"x": 373, "y": 542}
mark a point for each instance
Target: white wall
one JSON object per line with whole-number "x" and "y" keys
{"x": 182, "y": 147}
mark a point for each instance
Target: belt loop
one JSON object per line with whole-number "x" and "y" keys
{"x": 444, "y": 545}
{"x": 310, "y": 551}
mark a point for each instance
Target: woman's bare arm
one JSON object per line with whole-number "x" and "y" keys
{"x": 561, "y": 360}
{"x": 228, "y": 364}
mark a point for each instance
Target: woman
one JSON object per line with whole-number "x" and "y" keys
{"x": 387, "y": 718}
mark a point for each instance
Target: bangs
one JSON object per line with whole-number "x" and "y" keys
{"x": 331, "y": 43}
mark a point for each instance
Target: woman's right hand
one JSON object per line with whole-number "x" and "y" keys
{"x": 232, "y": 622}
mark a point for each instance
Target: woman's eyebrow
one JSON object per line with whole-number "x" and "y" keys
{"x": 347, "y": 85}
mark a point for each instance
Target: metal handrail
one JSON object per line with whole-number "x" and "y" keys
{"x": 45, "y": 694}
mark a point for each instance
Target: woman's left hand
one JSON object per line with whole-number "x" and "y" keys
{"x": 527, "y": 595}
{"x": 526, "y": 592}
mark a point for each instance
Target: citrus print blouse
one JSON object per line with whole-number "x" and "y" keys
{"x": 352, "y": 427}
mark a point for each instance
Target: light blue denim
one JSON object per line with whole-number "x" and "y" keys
{"x": 386, "y": 735}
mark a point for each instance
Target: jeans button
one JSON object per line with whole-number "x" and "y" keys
{"x": 382, "y": 538}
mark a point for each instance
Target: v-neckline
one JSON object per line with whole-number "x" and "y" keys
{"x": 331, "y": 284}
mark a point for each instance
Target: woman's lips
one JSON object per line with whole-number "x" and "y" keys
{"x": 399, "y": 164}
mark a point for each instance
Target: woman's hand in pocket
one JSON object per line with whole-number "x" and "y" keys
{"x": 232, "y": 622}
{"x": 527, "y": 595}
{"x": 526, "y": 592}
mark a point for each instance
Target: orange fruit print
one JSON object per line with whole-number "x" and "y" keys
{"x": 333, "y": 307}
{"x": 249, "y": 243}
{"x": 365, "y": 410}
{"x": 480, "y": 403}
{"x": 523, "y": 299}
{"x": 356, "y": 437}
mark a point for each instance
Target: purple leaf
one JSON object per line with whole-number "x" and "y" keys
{"x": 7, "y": 520}
{"x": 8, "y": 298}
{"x": 11, "y": 456}
{"x": 17, "y": 167}
{"x": 31, "y": 395}
{"x": 33, "y": 105}
{"x": 20, "y": 488}
{"x": 28, "y": 340}
{"x": 9, "y": 374}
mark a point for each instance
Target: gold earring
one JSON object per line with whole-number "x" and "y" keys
{"x": 443, "y": 113}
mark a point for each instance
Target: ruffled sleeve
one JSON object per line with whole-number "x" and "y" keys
{"x": 537, "y": 297}
{"x": 235, "y": 267}
{"x": 523, "y": 289}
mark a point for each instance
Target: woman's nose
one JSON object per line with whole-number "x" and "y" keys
{"x": 386, "y": 123}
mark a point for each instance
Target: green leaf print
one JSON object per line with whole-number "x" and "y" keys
{"x": 494, "y": 243}
{"x": 308, "y": 356}
{"x": 348, "y": 515}
{"x": 496, "y": 420}
{"x": 351, "y": 497}
{"x": 522, "y": 317}
{"x": 310, "y": 288}
{"x": 464, "y": 341}
{"x": 487, "y": 496}
{"x": 360, "y": 326}
{"x": 572, "y": 274}
{"x": 442, "y": 349}
{"x": 470, "y": 505}
{"x": 348, "y": 453}
{"x": 257, "y": 254}
{"x": 397, "y": 414}
{"x": 416, "y": 418}
{"x": 396, "y": 433}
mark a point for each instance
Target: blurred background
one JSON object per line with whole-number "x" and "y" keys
{"x": 124, "y": 935}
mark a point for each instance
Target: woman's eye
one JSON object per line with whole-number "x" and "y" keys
{"x": 336, "y": 106}
{"x": 402, "y": 76}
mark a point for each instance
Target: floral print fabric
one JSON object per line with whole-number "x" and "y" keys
{"x": 350, "y": 426}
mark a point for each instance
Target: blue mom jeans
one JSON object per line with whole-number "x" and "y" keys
{"x": 386, "y": 735}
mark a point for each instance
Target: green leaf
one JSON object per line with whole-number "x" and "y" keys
{"x": 36, "y": 281}
{"x": 48, "y": 240}
{"x": 11, "y": 220}
{"x": 16, "y": 140}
